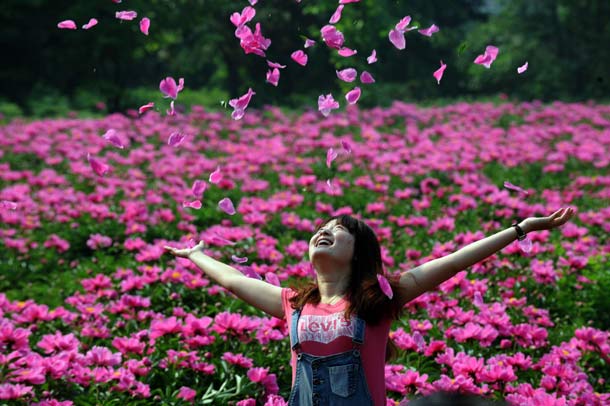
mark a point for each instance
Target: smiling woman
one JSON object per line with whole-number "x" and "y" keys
{"x": 340, "y": 322}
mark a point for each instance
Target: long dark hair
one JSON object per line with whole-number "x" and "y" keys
{"x": 364, "y": 295}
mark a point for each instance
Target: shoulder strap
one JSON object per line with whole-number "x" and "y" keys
{"x": 359, "y": 326}
{"x": 294, "y": 332}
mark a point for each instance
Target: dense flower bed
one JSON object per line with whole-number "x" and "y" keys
{"x": 94, "y": 313}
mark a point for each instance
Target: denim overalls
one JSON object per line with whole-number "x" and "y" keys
{"x": 333, "y": 380}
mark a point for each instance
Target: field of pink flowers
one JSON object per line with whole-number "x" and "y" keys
{"x": 93, "y": 313}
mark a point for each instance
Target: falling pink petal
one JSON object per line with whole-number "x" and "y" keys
{"x": 253, "y": 2}
{"x": 239, "y": 260}
{"x": 250, "y": 273}
{"x": 169, "y": 88}
{"x": 491, "y": 52}
{"x": 348, "y": 1}
{"x": 334, "y": 19}
{"x": 92, "y": 23}
{"x": 240, "y": 105}
{"x": 330, "y": 185}
{"x": 353, "y": 95}
{"x": 226, "y": 205}
{"x": 247, "y": 14}
{"x": 346, "y": 147}
{"x": 299, "y": 57}
{"x": 126, "y": 15}
{"x": 113, "y": 138}
{"x": 5, "y": 204}
{"x": 198, "y": 188}
{"x": 326, "y": 104}
{"x": 272, "y": 278}
{"x": 275, "y": 65}
{"x": 419, "y": 340}
{"x": 331, "y": 155}
{"x": 403, "y": 23}
{"x": 252, "y": 42}
{"x": 347, "y": 75}
{"x": 438, "y": 74}
{"x": 429, "y": 31}
{"x": 332, "y": 37}
{"x": 143, "y": 109}
{"x": 366, "y": 78}
{"x": 525, "y": 245}
{"x": 309, "y": 43}
{"x": 397, "y": 38}
{"x": 195, "y": 204}
{"x": 273, "y": 76}
{"x": 478, "y": 299}
{"x": 172, "y": 110}
{"x": 175, "y": 139}
{"x": 216, "y": 176}
{"x": 144, "y": 25}
{"x": 385, "y": 286}
{"x": 372, "y": 58}
{"x": 516, "y": 188}
{"x": 98, "y": 166}
{"x": 67, "y": 25}
{"x": 218, "y": 240}
{"x": 346, "y": 52}
{"x": 522, "y": 68}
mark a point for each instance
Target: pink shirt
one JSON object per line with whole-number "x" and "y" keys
{"x": 324, "y": 331}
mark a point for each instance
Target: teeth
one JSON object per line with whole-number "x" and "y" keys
{"x": 324, "y": 242}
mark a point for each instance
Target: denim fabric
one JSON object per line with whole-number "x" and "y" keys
{"x": 331, "y": 380}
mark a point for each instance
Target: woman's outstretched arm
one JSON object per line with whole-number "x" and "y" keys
{"x": 427, "y": 276}
{"x": 260, "y": 294}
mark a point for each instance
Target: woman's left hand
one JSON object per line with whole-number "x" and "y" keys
{"x": 557, "y": 219}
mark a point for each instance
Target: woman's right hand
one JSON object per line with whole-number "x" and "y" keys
{"x": 185, "y": 252}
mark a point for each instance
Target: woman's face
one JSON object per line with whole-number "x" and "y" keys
{"x": 332, "y": 241}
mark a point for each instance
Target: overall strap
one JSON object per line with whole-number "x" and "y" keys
{"x": 359, "y": 326}
{"x": 294, "y": 332}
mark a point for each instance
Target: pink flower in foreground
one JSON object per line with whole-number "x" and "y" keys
{"x": 67, "y": 25}
{"x": 336, "y": 15}
{"x": 258, "y": 374}
{"x": 353, "y": 95}
{"x": 98, "y": 166}
{"x": 126, "y": 15}
{"x": 326, "y": 104}
{"x": 522, "y": 68}
{"x": 13, "y": 391}
{"x": 169, "y": 88}
{"x": 275, "y": 400}
{"x": 372, "y": 58}
{"x": 92, "y": 23}
{"x": 226, "y": 205}
{"x": 5, "y": 204}
{"x": 438, "y": 74}
{"x": 429, "y": 31}
{"x": 491, "y": 52}
{"x": 332, "y": 37}
{"x": 144, "y": 25}
{"x": 347, "y": 75}
{"x": 187, "y": 394}
{"x": 385, "y": 286}
{"x": 240, "y": 105}
{"x": 299, "y": 57}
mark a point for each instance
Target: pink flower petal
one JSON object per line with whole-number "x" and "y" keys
{"x": 346, "y": 147}
{"x": 144, "y": 25}
{"x": 331, "y": 155}
{"x": 419, "y": 340}
{"x": 172, "y": 110}
{"x": 491, "y": 52}
{"x": 198, "y": 188}
{"x": 5, "y": 204}
{"x": 330, "y": 185}
{"x": 403, "y": 23}
{"x": 272, "y": 278}
{"x": 334, "y": 19}
{"x": 143, "y": 109}
{"x": 397, "y": 38}
{"x": 346, "y": 52}
{"x": 332, "y": 37}
{"x": 195, "y": 204}
{"x": 252, "y": 2}
{"x": 67, "y": 25}
{"x": 98, "y": 166}
{"x": 525, "y": 245}
{"x": 169, "y": 88}
{"x": 126, "y": 15}
{"x": 216, "y": 176}
{"x": 353, "y": 95}
{"x": 309, "y": 43}
{"x": 113, "y": 138}
{"x": 516, "y": 188}
{"x": 348, "y": 1}
{"x": 372, "y": 58}
{"x": 326, "y": 104}
{"x": 438, "y": 74}
{"x": 247, "y": 14}
{"x": 273, "y": 76}
{"x": 429, "y": 31}
{"x": 239, "y": 260}
{"x": 299, "y": 57}
{"x": 522, "y": 68}
{"x": 275, "y": 65}
{"x": 347, "y": 75}
{"x": 226, "y": 205}
{"x": 385, "y": 286}
{"x": 176, "y": 139}
{"x": 366, "y": 78}
{"x": 92, "y": 23}
{"x": 240, "y": 105}
{"x": 250, "y": 273}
